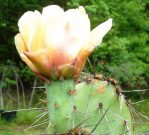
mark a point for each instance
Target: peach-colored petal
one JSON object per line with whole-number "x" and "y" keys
{"x": 29, "y": 63}
{"x": 66, "y": 70}
{"x": 61, "y": 57}
{"x": 30, "y": 28}
{"x": 98, "y": 33}
{"x": 41, "y": 60}
{"x": 20, "y": 44}
{"x": 80, "y": 62}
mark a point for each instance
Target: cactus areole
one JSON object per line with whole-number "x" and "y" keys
{"x": 55, "y": 45}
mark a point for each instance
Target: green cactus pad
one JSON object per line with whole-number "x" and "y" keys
{"x": 90, "y": 107}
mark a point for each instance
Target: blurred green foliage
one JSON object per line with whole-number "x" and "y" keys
{"x": 124, "y": 53}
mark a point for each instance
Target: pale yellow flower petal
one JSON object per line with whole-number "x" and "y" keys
{"x": 99, "y": 32}
{"x": 29, "y": 63}
{"x": 20, "y": 44}
{"x": 41, "y": 60}
{"x": 30, "y": 28}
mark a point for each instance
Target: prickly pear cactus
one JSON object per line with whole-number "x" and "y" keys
{"x": 92, "y": 106}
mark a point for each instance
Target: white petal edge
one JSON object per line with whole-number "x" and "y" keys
{"x": 99, "y": 32}
{"x": 82, "y": 10}
{"x": 52, "y": 10}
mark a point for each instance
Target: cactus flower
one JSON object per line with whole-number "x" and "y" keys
{"x": 56, "y": 43}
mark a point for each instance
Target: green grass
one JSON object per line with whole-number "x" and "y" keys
{"x": 13, "y": 129}
{"x": 9, "y": 129}
{"x": 23, "y": 120}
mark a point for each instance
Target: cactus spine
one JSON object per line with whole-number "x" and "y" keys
{"x": 92, "y": 106}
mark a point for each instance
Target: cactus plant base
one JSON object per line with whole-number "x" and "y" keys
{"x": 60, "y": 104}
{"x": 89, "y": 107}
